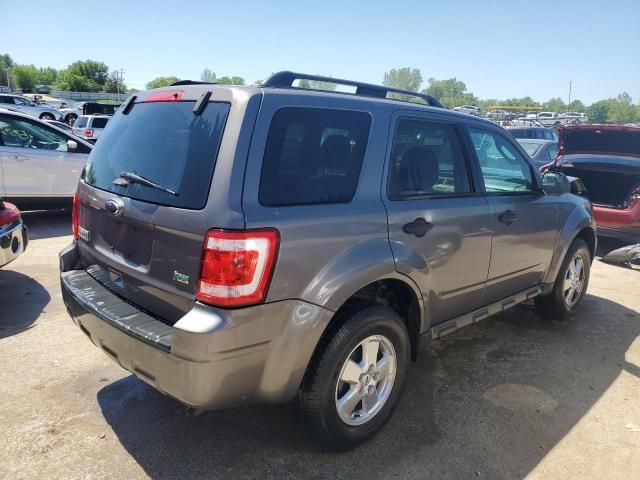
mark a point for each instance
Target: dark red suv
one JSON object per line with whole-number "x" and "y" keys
{"x": 607, "y": 159}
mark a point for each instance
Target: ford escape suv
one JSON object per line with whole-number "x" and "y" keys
{"x": 269, "y": 244}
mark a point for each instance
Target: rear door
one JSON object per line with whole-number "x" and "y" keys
{"x": 144, "y": 243}
{"x": 439, "y": 223}
{"x": 523, "y": 218}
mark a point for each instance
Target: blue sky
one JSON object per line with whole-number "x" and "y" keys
{"x": 500, "y": 49}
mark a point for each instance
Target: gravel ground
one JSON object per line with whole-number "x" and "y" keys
{"x": 515, "y": 396}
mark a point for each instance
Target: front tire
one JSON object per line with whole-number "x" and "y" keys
{"x": 354, "y": 382}
{"x": 71, "y": 118}
{"x": 570, "y": 285}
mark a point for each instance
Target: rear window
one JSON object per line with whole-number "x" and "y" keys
{"x": 99, "y": 122}
{"x": 81, "y": 122}
{"x": 165, "y": 143}
{"x": 621, "y": 142}
{"x": 312, "y": 156}
{"x": 530, "y": 148}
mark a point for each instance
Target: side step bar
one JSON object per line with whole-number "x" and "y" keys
{"x": 450, "y": 326}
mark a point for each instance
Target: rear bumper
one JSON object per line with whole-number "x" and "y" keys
{"x": 13, "y": 242}
{"x": 211, "y": 358}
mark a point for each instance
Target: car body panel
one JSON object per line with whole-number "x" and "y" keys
{"x": 219, "y": 357}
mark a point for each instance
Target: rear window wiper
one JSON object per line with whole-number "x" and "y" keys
{"x": 131, "y": 177}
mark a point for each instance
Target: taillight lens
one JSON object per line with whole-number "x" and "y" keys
{"x": 237, "y": 266}
{"x": 88, "y": 133}
{"x": 74, "y": 216}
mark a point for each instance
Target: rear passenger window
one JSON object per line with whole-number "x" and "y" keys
{"x": 426, "y": 160}
{"x": 313, "y": 155}
{"x": 99, "y": 122}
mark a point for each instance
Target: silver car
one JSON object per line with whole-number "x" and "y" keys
{"x": 26, "y": 106}
{"x": 40, "y": 163}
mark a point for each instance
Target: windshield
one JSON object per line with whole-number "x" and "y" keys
{"x": 530, "y": 148}
{"x": 594, "y": 140}
{"x": 164, "y": 142}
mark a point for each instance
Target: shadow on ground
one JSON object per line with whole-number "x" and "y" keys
{"x": 22, "y": 299}
{"x": 47, "y": 224}
{"x": 490, "y": 400}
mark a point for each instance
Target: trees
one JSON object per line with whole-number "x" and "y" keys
{"x": 115, "y": 83}
{"x": 316, "y": 85}
{"x": 87, "y": 76}
{"x": 576, "y": 106}
{"x": 47, "y": 76}
{"x": 451, "y": 92}
{"x": 403, "y": 78}
{"x": 597, "y": 112}
{"x": 230, "y": 80}
{"x": 208, "y": 76}
{"x": 555, "y": 105}
{"x": 160, "y": 82}
{"x": 6, "y": 64}
{"x": 25, "y": 77}
{"x": 621, "y": 109}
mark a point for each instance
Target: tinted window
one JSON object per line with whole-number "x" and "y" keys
{"x": 426, "y": 159}
{"x": 503, "y": 168}
{"x": 99, "y": 122}
{"x": 594, "y": 140}
{"x": 313, "y": 155}
{"x": 81, "y": 122}
{"x": 530, "y": 148}
{"x": 164, "y": 142}
{"x": 17, "y": 132}
{"x": 553, "y": 151}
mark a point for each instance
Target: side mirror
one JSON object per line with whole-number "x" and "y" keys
{"x": 555, "y": 183}
{"x": 72, "y": 145}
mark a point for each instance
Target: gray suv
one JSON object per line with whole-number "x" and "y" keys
{"x": 269, "y": 244}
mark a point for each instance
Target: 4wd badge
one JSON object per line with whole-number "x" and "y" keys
{"x": 180, "y": 277}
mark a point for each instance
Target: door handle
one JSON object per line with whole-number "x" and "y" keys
{"x": 507, "y": 217}
{"x": 419, "y": 227}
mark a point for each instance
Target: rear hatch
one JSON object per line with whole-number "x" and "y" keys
{"x": 607, "y": 159}
{"x": 144, "y": 242}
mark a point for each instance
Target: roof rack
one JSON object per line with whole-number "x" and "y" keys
{"x": 286, "y": 79}
{"x": 190, "y": 82}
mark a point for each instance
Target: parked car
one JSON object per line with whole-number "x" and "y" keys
{"x": 470, "y": 109}
{"x": 542, "y": 152}
{"x": 501, "y": 115}
{"x": 574, "y": 118}
{"x": 607, "y": 159}
{"x": 13, "y": 233}
{"x": 267, "y": 243}
{"x": 26, "y": 106}
{"x": 550, "y": 119}
{"x": 40, "y": 163}
{"x": 61, "y": 125}
{"x": 540, "y": 133}
{"x": 70, "y": 114}
{"x": 90, "y": 127}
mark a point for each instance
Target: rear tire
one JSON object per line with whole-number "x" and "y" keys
{"x": 354, "y": 382}
{"x": 71, "y": 118}
{"x": 47, "y": 116}
{"x": 570, "y": 285}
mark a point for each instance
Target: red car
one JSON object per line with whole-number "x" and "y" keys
{"x": 13, "y": 233}
{"x": 607, "y": 159}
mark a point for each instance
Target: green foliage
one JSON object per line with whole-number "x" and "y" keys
{"x": 47, "y": 76}
{"x": 84, "y": 76}
{"x": 160, "y": 82}
{"x": 6, "y": 62}
{"x": 316, "y": 85}
{"x": 555, "y": 105}
{"x": 403, "y": 78}
{"x": 520, "y": 102}
{"x": 230, "y": 80}
{"x": 576, "y": 106}
{"x": 621, "y": 110}
{"x": 597, "y": 112}
{"x": 451, "y": 92}
{"x": 208, "y": 76}
{"x": 114, "y": 83}
{"x": 25, "y": 77}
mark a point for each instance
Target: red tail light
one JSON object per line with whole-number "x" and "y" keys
{"x": 74, "y": 216}
{"x": 9, "y": 213}
{"x": 169, "y": 96}
{"x": 237, "y": 266}
{"x": 88, "y": 132}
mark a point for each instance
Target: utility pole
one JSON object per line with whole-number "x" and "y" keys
{"x": 569, "y": 95}
{"x": 8, "y": 78}
{"x": 119, "y": 78}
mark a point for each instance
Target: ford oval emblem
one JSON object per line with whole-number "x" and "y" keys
{"x": 114, "y": 206}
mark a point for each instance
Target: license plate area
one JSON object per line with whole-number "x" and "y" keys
{"x": 131, "y": 242}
